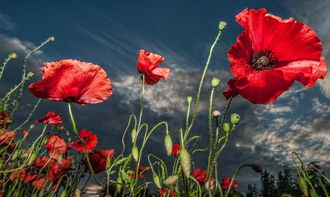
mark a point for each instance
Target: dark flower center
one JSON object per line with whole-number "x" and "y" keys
{"x": 70, "y": 99}
{"x": 263, "y": 60}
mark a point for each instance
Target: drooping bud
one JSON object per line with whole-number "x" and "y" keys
{"x": 235, "y": 118}
{"x": 32, "y": 158}
{"x": 226, "y": 127}
{"x": 216, "y": 114}
{"x": 16, "y": 153}
{"x": 63, "y": 193}
{"x": 134, "y": 135}
{"x": 303, "y": 185}
{"x": 77, "y": 192}
{"x": 135, "y": 153}
{"x": 256, "y": 168}
{"x": 108, "y": 164}
{"x": 171, "y": 180}
{"x": 168, "y": 144}
{"x": 222, "y": 25}
{"x": 189, "y": 99}
{"x": 215, "y": 82}
{"x": 156, "y": 180}
{"x": 185, "y": 162}
{"x": 119, "y": 183}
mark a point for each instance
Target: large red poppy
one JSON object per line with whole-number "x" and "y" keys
{"x": 199, "y": 175}
{"x": 86, "y": 143}
{"x": 176, "y": 150}
{"x": 98, "y": 159}
{"x": 72, "y": 81}
{"x": 59, "y": 168}
{"x": 270, "y": 54}
{"x": 148, "y": 65}
{"x": 55, "y": 146}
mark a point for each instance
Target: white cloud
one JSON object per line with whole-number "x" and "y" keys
{"x": 5, "y": 22}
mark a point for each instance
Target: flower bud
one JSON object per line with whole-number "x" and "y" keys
{"x": 168, "y": 144}
{"x": 222, "y": 25}
{"x": 133, "y": 135}
{"x": 226, "y": 127}
{"x": 119, "y": 183}
{"x": 185, "y": 162}
{"x": 156, "y": 180}
{"x": 52, "y": 38}
{"x": 63, "y": 193}
{"x": 77, "y": 192}
{"x": 215, "y": 82}
{"x": 32, "y": 158}
{"x": 313, "y": 194}
{"x": 135, "y": 153}
{"x": 303, "y": 185}
{"x": 13, "y": 55}
{"x": 171, "y": 180}
{"x": 189, "y": 99}
{"x": 210, "y": 184}
{"x": 256, "y": 168}
{"x": 1, "y": 163}
{"x": 235, "y": 118}
{"x": 16, "y": 153}
{"x": 216, "y": 114}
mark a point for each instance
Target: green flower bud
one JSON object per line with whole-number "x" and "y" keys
{"x": 222, "y": 25}
{"x": 168, "y": 144}
{"x": 185, "y": 162}
{"x": 1, "y": 163}
{"x": 63, "y": 193}
{"x": 303, "y": 185}
{"x": 156, "y": 180}
{"x": 133, "y": 135}
{"x": 16, "y": 153}
{"x": 226, "y": 127}
{"x": 119, "y": 184}
{"x": 32, "y": 158}
{"x": 235, "y": 118}
{"x": 171, "y": 180}
{"x": 135, "y": 153}
{"x": 189, "y": 99}
{"x": 77, "y": 192}
{"x": 215, "y": 82}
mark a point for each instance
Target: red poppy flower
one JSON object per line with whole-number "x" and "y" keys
{"x": 72, "y": 81}
{"x": 6, "y": 137}
{"x": 55, "y": 146}
{"x": 199, "y": 175}
{"x": 176, "y": 150}
{"x": 40, "y": 182}
{"x": 51, "y": 118}
{"x": 4, "y": 119}
{"x": 165, "y": 192}
{"x": 59, "y": 168}
{"x": 98, "y": 159}
{"x": 42, "y": 162}
{"x": 226, "y": 182}
{"x": 142, "y": 170}
{"x": 148, "y": 65}
{"x": 270, "y": 54}
{"x": 86, "y": 143}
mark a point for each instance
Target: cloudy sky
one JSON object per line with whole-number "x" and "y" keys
{"x": 110, "y": 33}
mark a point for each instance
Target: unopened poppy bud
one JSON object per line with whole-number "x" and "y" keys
{"x": 313, "y": 194}
{"x": 303, "y": 185}
{"x": 215, "y": 82}
{"x": 63, "y": 193}
{"x": 226, "y": 127}
{"x": 235, "y": 118}
{"x": 13, "y": 55}
{"x": 156, "y": 180}
{"x": 222, "y": 25}
{"x": 133, "y": 135}
{"x": 185, "y": 162}
{"x": 256, "y": 168}
{"x": 77, "y": 192}
{"x": 189, "y": 99}
{"x": 52, "y": 38}
{"x": 1, "y": 163}
{"x": 171, "y": 180}
{"x": 119, "y": 183}
{"x": 216, "y": 114}
{"x": 108, "y": 163}
{"x": 16, "y": 153}
{"x": 168, "y": 144}
{"x": 32, "y": 126}
{"x": 32, "y": 158}
{"x": 135, "y": 153}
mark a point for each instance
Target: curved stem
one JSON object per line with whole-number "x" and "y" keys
{"x": 30, "y": 115}
{"x": 123, "y": 137}
{"x": 2, "y": 68}
{"x": 233, "y": 178}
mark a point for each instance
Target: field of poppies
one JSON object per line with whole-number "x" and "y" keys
{"x": 270, "y": 55}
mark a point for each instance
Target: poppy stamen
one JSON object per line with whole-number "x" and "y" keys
{"x": 263, "y": 60}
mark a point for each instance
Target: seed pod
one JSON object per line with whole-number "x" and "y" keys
{"x": 171, "y": 180}
{"x": 185, "y": 162}
{"x": 32, "y": 158}
{"x": 216, "y": 114}
{"x": 222, "y": 25}
{"x": 303, "y": 185}
{"x": 156, "y": 180}
{"x": 16, "y": 153}
{"x": 119, "y": 184}
{"x": 226, "y": 127}
{"x": 215, "y": 82}
{"x": 133, "y": 135}
{"x": 235, "y": 118}
{"x": 168, "y": 144}
{"x": 135, "y": 153}
{"x": 189, "y": 99}
{"x": 63, "y": 193}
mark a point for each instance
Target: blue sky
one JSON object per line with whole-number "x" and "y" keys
{"x": 110, "y": 33}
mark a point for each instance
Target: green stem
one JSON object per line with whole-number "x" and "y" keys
{"x": 123, "y": 137}
{"x": 201, "y": 84}
{"x": 233, "y": 178}
{"x": 30, "y": 115}
{"x": 212, "y": 143}
{"x": 2, "y": 68}
{"x": 142, "y": 102}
